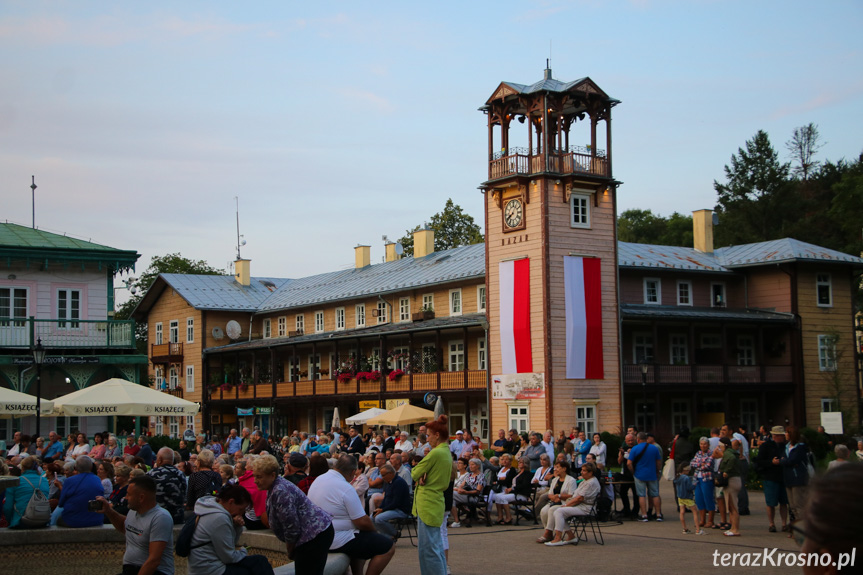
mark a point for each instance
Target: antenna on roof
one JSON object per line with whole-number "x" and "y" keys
{"x": 33, "y": 187}
{"x": 240, "y": 241}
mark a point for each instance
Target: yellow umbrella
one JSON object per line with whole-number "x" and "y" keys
{"x": 402, "y": 415}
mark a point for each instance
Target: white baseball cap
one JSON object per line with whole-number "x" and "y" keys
{"x": 459, "y": 431}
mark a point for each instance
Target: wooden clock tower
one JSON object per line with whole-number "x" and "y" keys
{"x": 551, "y": 257}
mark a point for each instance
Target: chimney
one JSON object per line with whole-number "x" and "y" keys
{"x": 702, "y": 230}
{"x": 423, "y": 242}
{"x": 362, "y": 256}
{"x": 391, "y": 251}
{"x": 243, "y": 271}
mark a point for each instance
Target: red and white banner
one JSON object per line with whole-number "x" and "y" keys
{"x": 515, "y": 317}
{"x": 583, "y": 288}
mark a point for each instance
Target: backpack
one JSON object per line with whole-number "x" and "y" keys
{"x": 38, "y": 510}
{"x": 183, "y": 545}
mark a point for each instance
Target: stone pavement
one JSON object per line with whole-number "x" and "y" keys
{"x": 638, "y": 548}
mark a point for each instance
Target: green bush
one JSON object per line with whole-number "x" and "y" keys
{"x": 159, "y": 441}
{"x": 488, "y": 453}
{"x": 697, "y": 433}
{"x": 612, "y": 444}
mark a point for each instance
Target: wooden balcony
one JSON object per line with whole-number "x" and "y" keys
{"x": 708, "y": 375}
{"x": 575, "y": 160}
{"x": 176, "y": 392}
{"x": 418, "y": 382}
{"x": 166, "y": 353}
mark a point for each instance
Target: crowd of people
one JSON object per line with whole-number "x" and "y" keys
{"x": 346, "y": 492}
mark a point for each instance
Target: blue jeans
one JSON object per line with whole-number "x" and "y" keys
{"x": 430, "y": 547}
{"x": 382, "y": 521}
{"x": 704, "y": 499}
{"x": 250, "y": 565}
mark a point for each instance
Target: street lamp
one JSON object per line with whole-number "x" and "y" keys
{"x": 38, "y": 358}
{"x": 644, "y": 367}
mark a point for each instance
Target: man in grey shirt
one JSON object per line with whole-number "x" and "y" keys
{"x": 149, "y": 530}
{"x": 534, "y": 451}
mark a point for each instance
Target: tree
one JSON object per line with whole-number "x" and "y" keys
{"x": 452, "y": 228}
{"x": 756, "y": 203}
{"x": 645, "y": 227}
{"x": 167, "y": 264}
{"x": 803, "y": 146}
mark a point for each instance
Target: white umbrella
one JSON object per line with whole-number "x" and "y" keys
{"x": 121, "y": 397}
{"x": 336, "y": 419}
{"x": 17, "y": 404}
{"x": 364, "y": 416}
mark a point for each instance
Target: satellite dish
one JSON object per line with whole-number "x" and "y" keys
{"x": 399, "y": 248}
{"x": 218, "y": 333}
{"x": 234, "y": 330}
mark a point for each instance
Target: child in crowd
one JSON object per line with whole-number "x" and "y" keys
{"x": 684, "y": 486}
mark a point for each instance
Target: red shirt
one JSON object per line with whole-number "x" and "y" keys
{"x": 131, "y": 449}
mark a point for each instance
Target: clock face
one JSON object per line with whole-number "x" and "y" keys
{"x": 513, "y": 213}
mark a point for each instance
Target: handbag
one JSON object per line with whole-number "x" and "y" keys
{"x": 720, "y": 480}
{"x": 668, "y": 470}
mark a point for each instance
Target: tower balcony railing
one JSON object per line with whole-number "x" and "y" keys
{"x": 67, "y": 333}
{"x": 572, "y": 160}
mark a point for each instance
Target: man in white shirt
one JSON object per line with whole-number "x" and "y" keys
{"x": 355, "y": 533}
{"x": 404, "y": 443}
{"x": 458, "y": 445}
{"x": 548, "y": 443}
{"x": 743, "y": 496}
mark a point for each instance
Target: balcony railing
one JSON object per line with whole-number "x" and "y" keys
{"x": 419, "y": 382}
{"x": 658, "y": 374}
{"x": 162, "y": 352}
{"x": 520, "y": 161}
{"x": 67, "y": 334}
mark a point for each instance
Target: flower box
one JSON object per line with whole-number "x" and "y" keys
{"x": 422, "y": 316}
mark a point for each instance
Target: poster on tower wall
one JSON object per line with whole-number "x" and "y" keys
{"x": 518, "y": 386}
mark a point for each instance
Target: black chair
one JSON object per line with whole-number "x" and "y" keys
{"x": 526, "y": 508}
{"x": 406, "y": 523}
{"x": 579, "y": 524}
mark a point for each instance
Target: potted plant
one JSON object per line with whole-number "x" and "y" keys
{"x": 396, "y": 374}
{"x": 426, "y": 313}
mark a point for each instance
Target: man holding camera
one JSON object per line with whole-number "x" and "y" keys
{"x": 149, "y": 530}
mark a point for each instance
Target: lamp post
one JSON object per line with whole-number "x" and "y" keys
{"x": 38, "y": 358}
{"x": 644, "y": 367}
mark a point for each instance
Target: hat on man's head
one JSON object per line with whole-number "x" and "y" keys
{"x": 298, "y": 460}
{"x": 459, "y": 432}
{"x": 777, "y": 430}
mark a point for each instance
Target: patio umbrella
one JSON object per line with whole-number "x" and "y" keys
{"x": 402, "y": 415}
{"x": 17, "y": 404}
{"x": 438, "y": 407}
{"x": 336, "y": 419}
{"x": 362, "y": 417}
{"x": 121, "y": 397}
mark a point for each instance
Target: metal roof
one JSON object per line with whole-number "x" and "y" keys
{"x": 666, "y": 257}
{"x": 436, "y": 268}
{"x": 209, "y": 292}
{"x": 642, "y": 311}
{"x": 778, "y": 251}
{"x": 448, "y": 322}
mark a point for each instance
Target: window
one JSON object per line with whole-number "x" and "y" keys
{"x": 684, "y": 293}
{"x": 173, "y": 378}
{"x": 268, "y": 328}
{"x": 314, "y": 366}
{"x": 319, "y": 322}
{"x": 404, "y": 309}
{"x": 481, "y": 354}
{"x": 429, "y": 355}
{"x": 283, "y": 326}
{"x": 679, "y": 414}
{"x": 645, "y": 414}
{"x": 340, "y": 318}
{"x": 745, "y": 350}
{"x": 190, "y": 378}
{"x": 480, "y": 299}
{"x": 711, "y": 341}
{"x": 717, "y": 295}
{"x": 652, "y": 291}
{"x": 382, "y": 312}
{"x": 679, "y": 350}
{"x": 160, "y": 426}
{"x": 579, "y": 205}
{"x": 828, "y": 405}
{"x": 159, "y": 378}
{"x": 642, "y": 348}
{"x": 455, "y": 302}
{"x": 824, "y": 290}
{"x": 456, "y": 355}
{"x": 190, "y": 422}
{"x": 361, "y": 315}
{"x": 190, "y": 330}
{"x": 749, "y": 413}
{"x": 159, "y": 333}
{"x": 585, "y": 418}
{"x": 174, "y": 331}
{"x": 400, "y": 359}
{"x": 69, "y": 307}
{"x": 518, "y": 417}
{"x": 375, "y": 359}
{"x": 66, "y": 425}
{"x": 174, "y": 426}
{"x": 300, "y": 323}
{"x": 428, "y": 302}
{"x": 827, "y": 353}
{"x": 13, "y": 304}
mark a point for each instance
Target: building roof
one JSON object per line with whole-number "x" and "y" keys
{"x": 729, "y": 258}
{"x": 643, "y": 311}
{"x": 407, "y": 273}
{"x": 447, "y": 322}
{"x": 24, "y": 243}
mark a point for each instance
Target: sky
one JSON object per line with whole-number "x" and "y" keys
{"x": 335, "y": 123}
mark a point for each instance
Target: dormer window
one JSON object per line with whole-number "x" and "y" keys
{"x": 717, "y": 295}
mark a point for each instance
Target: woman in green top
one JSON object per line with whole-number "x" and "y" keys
{"x": 432, "y": 476}
{"x": 729, "y": 467}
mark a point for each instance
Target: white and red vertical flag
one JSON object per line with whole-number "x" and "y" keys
{"x": 515, "y": 316}
{"x": 583, "y": 288}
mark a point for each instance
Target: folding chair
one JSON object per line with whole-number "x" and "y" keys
{"x": 528, "y": 508}
{"x": 406, "y": 523}
{"x": 579, "y": 524}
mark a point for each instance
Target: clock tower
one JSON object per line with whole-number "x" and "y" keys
{"x": 551, "y": 257}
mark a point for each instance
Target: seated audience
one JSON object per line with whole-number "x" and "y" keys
{"x": 579, "y": 504}
{"x": 561, "y": 489}
{"x": 18, "y": 497}
{"x": 77, "y": 491}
